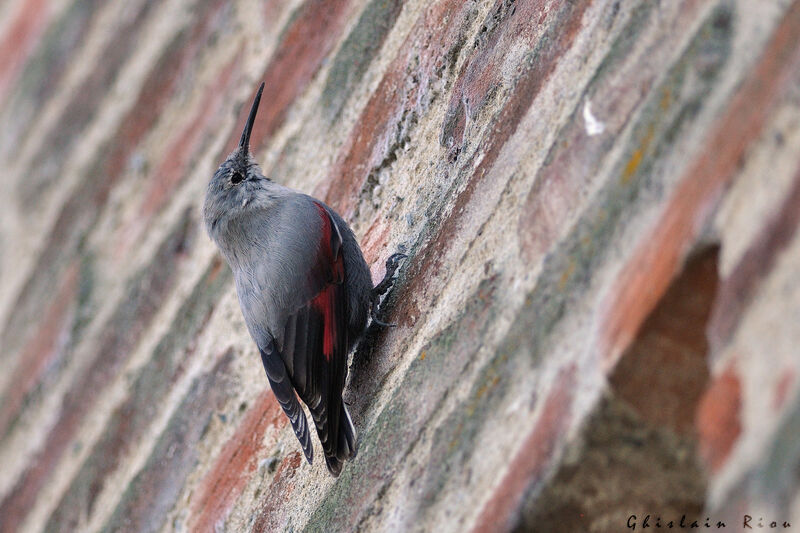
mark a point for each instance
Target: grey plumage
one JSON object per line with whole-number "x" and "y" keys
{"x": 304, "y": 289}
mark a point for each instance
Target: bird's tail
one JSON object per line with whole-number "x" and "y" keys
{"x": 284, "y": 393}
{"x": 347, "y": 443}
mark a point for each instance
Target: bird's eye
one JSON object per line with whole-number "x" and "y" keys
{"x": 236, "y": 177}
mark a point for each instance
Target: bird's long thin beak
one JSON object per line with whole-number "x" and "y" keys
{"x": 244, "y": 143}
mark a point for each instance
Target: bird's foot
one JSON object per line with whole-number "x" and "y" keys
{"x": 383, "y": 287}
{"x": 388, "y": 280}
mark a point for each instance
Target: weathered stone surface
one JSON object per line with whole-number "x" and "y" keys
{"x": 597, "y": 319}
{"x": 151, "y": 387}
{"x": 145, "y": 295}
{"x": 637, "y": 452}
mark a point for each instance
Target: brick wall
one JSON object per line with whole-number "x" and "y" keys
{"x": 598, "y": 318}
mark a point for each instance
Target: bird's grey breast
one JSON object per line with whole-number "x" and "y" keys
{"x": 277, "y": 249}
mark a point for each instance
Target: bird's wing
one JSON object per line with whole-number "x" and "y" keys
{"x": 284, "y": 392}
{"x": 315, "y": 336}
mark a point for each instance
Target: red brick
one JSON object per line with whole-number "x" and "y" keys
{"x": 424, "y": 268}
{"x": 82, "y": 107}
{"x": 178, "y": 157}
{"x": 178, "y": 58}
{"x": 507, "y": 24}
{"x": 305, "y": 43}
{"x": 115, "y": 346}
{"x": 274, "y": 512}
{"x": 783, "y": 388}
{"x": 647, "y": 274}
{"x": 80, "y": 211}
{"x": 154, "y": 491}
{"x": 406, "y": 85}
{"x": 536, "y": 455}
{"x": 20, "y": 36}
{"x": 130, "y": 421}
{"x": 743, "y": 281}
{"x": 575, "y": 158}
{"x": 235, "y": 463}
{"x": 373, "y": 243}
{"x": 271, "y": 14}
{"x": 719, "y": 418}
{"x": 43, "y": 349}
{"x": 55, "y": 50}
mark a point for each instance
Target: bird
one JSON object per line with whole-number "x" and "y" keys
{"x": 304, "y": 289}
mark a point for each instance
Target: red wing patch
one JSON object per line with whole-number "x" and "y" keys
{"x": 324, "y": 303}
{"x": 331, "y": 266}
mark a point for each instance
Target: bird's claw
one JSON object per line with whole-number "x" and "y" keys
{"x": 388, "y": 279}
{"x": 381, "y": 323}
{"x": 392, "y": 263}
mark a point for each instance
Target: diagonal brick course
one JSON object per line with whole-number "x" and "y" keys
{"x": 550, "y": 167}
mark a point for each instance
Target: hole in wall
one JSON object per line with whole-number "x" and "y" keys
{"x": 638, "y": 451}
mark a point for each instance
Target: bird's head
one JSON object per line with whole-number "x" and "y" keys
{"x": 237, "y": 181}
